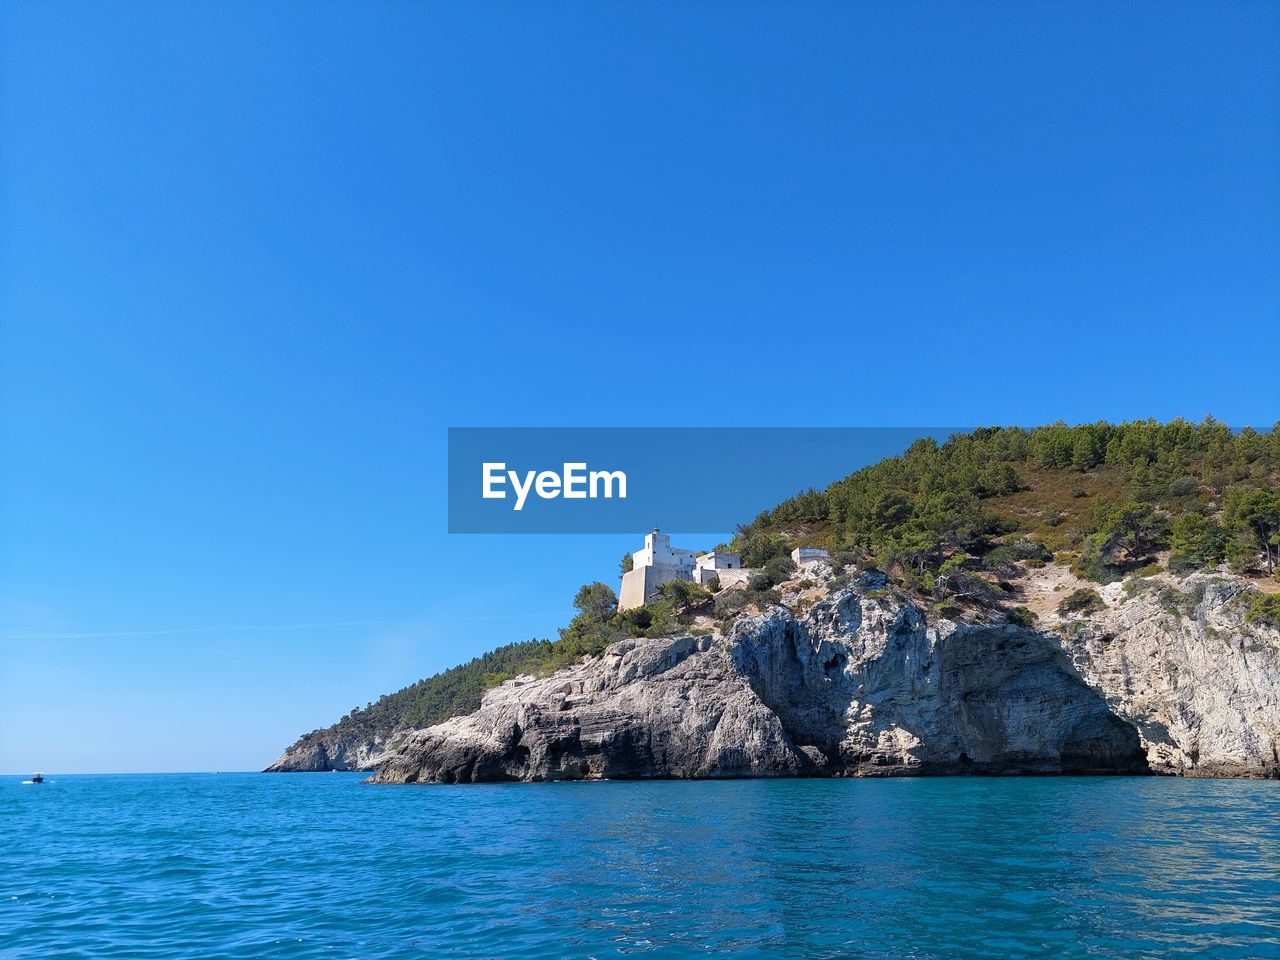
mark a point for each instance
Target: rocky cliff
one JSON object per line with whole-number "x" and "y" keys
{"x": 854, "y": 680}
{"x": 330, "y": 750}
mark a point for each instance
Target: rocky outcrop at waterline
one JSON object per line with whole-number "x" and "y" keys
{"x": 327, "y": 750}
{"x": 854, "y": 680}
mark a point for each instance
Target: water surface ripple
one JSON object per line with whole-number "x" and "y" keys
{"x": 320, "y": 865}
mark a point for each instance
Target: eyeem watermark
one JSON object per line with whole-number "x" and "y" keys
{"x": 625, "y": 479}
{"x": 574, "y": 482}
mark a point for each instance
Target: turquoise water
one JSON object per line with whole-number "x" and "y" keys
{"x": 320, "y": 865}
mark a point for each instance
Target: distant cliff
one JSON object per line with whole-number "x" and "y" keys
{"x": 355, "y": 741}
{"x": 1165, "y": 679}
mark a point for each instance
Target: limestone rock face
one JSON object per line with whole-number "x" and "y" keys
{"x": 674, "y": 707}
{"x": 1201, "y": 686}
{"x": 315, "y": 753}
{"x": 861, "y": 684}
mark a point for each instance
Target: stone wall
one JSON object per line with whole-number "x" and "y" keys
{"x": 727, "y": 578}
{"x": 640, "y": 584}
{"x": 803, "y": 555}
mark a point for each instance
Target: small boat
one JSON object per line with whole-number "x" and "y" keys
{"x": 35, "y": 778}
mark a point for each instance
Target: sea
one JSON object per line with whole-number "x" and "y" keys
{"x": 322, "y": 865}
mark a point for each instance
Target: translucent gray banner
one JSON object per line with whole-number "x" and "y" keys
{"x": 624, "y": 479}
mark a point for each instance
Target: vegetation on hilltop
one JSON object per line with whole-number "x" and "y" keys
{"x": 1105, "y": 497}
{"x": 447, "y": 694}
{"x": 952, "y": 521}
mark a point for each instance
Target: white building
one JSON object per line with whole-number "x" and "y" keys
{"x": 656, "y": 564}
{"x": 802, "y": 555}
{"x": 658, "y": 552}
{"x": 660, "y": 563}
{"x": 720, "y": 567}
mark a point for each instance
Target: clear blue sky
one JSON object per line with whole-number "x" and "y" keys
{"x": 255, "y": 258}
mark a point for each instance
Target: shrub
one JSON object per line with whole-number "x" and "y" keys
{"x": 683, "y": 594}
{"x": 664, "y": 620}
{"x": 949, "y": 609}
{"x": 1029, "y": 548}
{"x": 1137, "y": 585}
{"x": 730, "y": 602}
{"x": 1175, "y": 602}
{"x": 1090, "y": 564}
{"x": 638, "y": 618}
{"x": 765, "y": 598}
{"x": 1264, "y": 609}
{"x": 1002, "y": 561}
{"x": 1022, "y": 617}
{"x": 779, "y": 569}
{"x": 960, "y": 561}
{"x": 966, "y": 585}
{"x": 1083, "y": 601}
{"x": 846, "y": 558}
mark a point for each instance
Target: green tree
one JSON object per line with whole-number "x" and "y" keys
{"x": 890, "y": 510}
{"x": 1134, "y": 528}
{"x": 778, "y": 569}
{"x": 1197, "y": 541}
{"x": 596, "y": 602}
{"x": 997, "y": 479}
{"x": 1255, "y": 513}
{"x": 758, "y": 546}
{"x": 683, "y": 595}
{"x": 1087, "y": 450}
